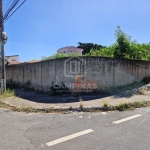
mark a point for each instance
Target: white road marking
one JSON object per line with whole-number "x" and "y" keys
{"x": 126, "y": 119}
{"x": 69, "y": 137}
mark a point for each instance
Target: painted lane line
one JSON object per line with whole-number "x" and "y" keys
{"x": 69, "y": 137}
{"x": 126, "y": 119}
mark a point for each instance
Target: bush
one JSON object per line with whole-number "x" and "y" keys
{"x": 12, "y": 84}
{"x": 61, "y": 56}
{"x": 146, "y": 80}
{"x": 26, "y": 85}
{"x": 123, "y": 106}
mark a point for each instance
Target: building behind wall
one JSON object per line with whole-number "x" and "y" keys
{"x": 13, "y": 58}
{"x": 70, "y": 49}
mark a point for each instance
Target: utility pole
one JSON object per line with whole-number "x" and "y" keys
{"x": 3, "y": 37}
{"x": 3, "y": 74}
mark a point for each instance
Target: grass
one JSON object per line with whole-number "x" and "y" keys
{"x": 105, "y": 104}
{"x": 30, "y": 109}
{"x": 70, "y": 109}
{"x": 131, "y": 106}
{"x": 119, "y": 107}
{"x": 142, "y": 91}
{"x": 7, "y": 93}
{"x": 81, "y": 102}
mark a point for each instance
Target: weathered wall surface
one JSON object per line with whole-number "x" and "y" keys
{"x": 104, "y": 71}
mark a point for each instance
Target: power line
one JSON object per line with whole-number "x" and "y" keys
{"x": 7, "y": 15}
{"x": 7, "y": 5}
{"x": 15, "y": 2}
{"x": 5, "y": 19}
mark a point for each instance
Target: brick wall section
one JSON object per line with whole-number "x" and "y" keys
{"x": 105, "y": 71}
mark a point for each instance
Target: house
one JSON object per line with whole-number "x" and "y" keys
{"x": 13, "y": 58}
{"x": 70, "y": 49}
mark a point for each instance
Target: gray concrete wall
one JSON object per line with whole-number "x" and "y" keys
{"x": 104, "y": 71}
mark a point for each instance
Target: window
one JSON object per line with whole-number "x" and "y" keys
{"x": 13, "y": 59}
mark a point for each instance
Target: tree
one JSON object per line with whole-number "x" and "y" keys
{"x": 88, "y": 46}
{"x": 104, "y": 52}
{"x": 122, "y": 48}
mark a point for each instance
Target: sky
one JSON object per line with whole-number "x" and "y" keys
{"x": 40, "y": 27}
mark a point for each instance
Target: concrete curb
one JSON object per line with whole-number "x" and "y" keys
{"x": 74, "y": 109}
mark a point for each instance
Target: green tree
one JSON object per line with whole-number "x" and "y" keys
{"x": 88, "y": 46}
{"x": 122, "y": 46}
{"x": 104, "y": 52}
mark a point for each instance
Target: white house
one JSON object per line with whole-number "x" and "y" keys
{"x": 13, "y": 58}
{"x": 70, "y": 49}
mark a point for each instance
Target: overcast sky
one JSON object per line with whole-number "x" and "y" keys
{"x": 40, "y": 27}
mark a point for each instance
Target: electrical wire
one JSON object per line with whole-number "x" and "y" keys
{"x": 7, "y": 5}
{"x": 15, "y": 2}
{"x": 5, "y": 19}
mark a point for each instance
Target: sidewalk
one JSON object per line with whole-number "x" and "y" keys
{"x": 41, "y": 101}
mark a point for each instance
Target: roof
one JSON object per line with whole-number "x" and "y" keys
{"x": 12, "y": 56}
{"x": 33, "y": 61}
{"x": 70, "y": 48}
{"x": 13, "y": 63}
{"x": 19, "y": 63}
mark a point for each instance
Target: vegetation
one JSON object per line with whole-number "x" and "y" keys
{"x": 123, "y": 48}
{"x": 13, "y": 85}
{"x": 7, "y": 93}
{"x": 105, "y": 104}
{"x": 30, "y": 109}
{"x": 142, "y": 91}
{"x": 59, "y": 55}
{"x": 120, "y": 107}
{"x": 88, "y": 46}
{"x": 81, "y": 103}
{"x": 130, "y": 106}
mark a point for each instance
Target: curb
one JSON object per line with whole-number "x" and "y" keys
{"x": 75, "y": 109}
{"x": 123, "y": 107}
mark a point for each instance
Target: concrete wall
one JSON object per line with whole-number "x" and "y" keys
{"x": 104, "y": 71}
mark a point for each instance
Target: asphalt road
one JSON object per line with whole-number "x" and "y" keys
{"x": 75, "y": 131}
